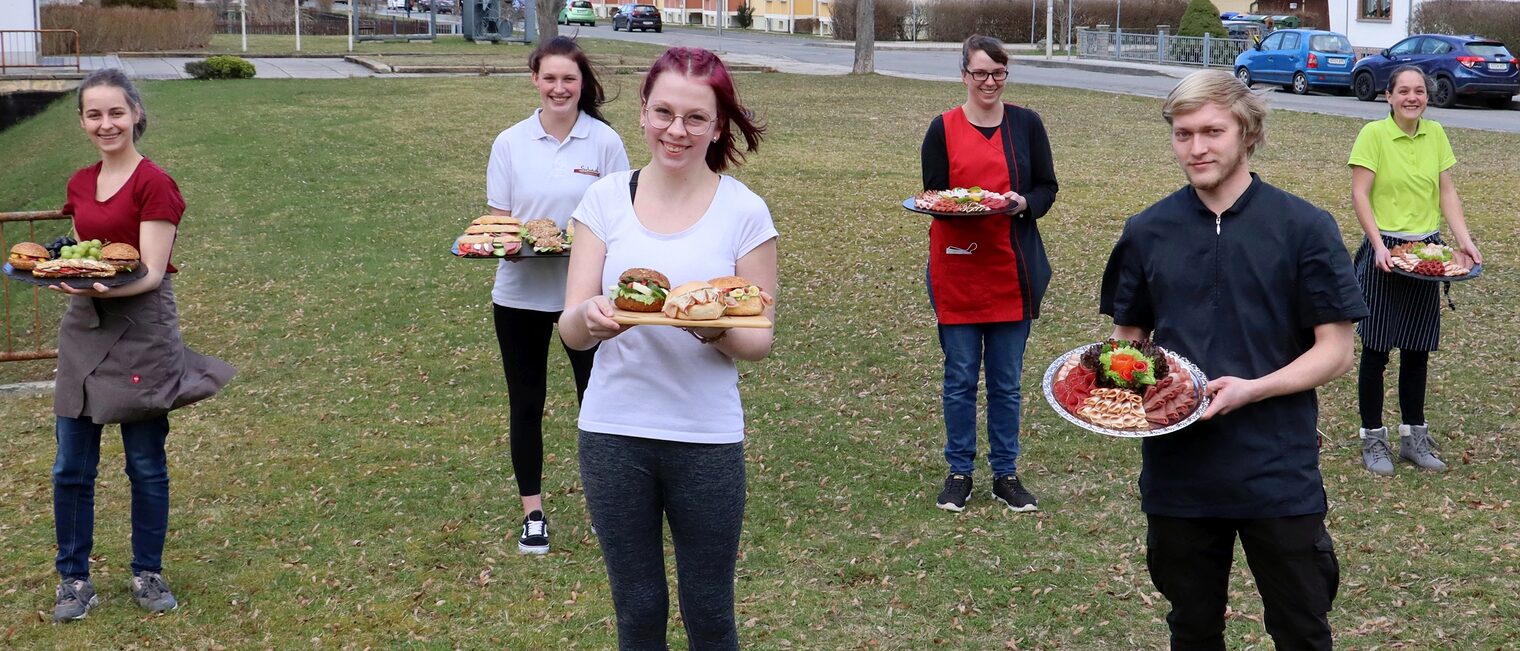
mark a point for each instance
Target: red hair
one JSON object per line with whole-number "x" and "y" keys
{"x": 704, "y": 66}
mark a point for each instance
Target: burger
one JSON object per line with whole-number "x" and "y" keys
{"x": 26, "y": 255}
{"x": 121, "y": 255}
{"x": 695, "y": 301}
{"x": 640, "y": 290}
{"x": 740, "y": 296}
{"x": 73, "y": 268}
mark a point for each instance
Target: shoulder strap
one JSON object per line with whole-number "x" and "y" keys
{"x": 633, "y": 186}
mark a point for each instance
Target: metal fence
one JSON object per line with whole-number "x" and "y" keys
{"x": 1160, "y": 48}
{"x": 39, "y": 48}
{"x": 42, "y": 331}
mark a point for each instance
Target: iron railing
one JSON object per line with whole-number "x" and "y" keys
{"x": 39, "y": 48}
{"x": 38, "y": 351}
{"x": 1160, "y": 48}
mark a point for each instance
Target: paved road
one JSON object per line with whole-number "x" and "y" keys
{"x": 805, "y": 55}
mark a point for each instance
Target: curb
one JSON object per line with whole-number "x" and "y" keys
{"x": 21, "y": 389}
{"x": 192, "y": 54}
{"x": 1098, "y": 67}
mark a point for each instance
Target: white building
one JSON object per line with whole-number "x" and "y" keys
{"x": 19, "y": 48}
{"x": 1373, "y": 24}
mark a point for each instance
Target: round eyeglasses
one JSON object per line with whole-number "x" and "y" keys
{"x": 662, "y": 118}
{"x": 982, "y": 75}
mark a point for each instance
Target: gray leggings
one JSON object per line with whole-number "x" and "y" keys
{"x": 630, "y": 484}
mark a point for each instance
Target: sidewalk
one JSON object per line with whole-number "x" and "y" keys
{"x": 1035, "y": 60}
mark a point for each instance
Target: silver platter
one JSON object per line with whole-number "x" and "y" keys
{"x": 1200, "y": 384}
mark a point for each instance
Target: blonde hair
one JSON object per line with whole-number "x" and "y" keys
{"x": 1223, "y": 89}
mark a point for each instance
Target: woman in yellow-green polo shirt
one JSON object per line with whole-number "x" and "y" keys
{"x": 1401, "y": 187}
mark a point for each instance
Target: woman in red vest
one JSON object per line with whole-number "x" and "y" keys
{"x": 987, "y": 273}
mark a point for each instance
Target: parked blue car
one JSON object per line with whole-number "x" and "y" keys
{"x": 1462, "y": 67}
{"x": 1300, "y": 60}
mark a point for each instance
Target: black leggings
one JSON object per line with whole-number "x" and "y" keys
{"x": 1414, "y": 366}
{"x": 632, "y": 485}
{"x": 524, "y": 339}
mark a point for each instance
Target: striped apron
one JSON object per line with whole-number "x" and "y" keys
{"x": 1405, "y": 312}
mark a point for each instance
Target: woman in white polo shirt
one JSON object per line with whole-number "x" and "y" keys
{"x": 540, "y": 168}
{"x": 662, "y": 426}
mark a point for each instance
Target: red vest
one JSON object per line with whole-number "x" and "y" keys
{"x": 973, "y": 269}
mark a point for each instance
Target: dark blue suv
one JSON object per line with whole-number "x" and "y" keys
{"x": 1466, "y": 67}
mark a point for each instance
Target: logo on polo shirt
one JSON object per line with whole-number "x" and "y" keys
{"x": 588, "y": 171}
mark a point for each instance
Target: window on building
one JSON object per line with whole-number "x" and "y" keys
{"x": 1377, "y": 9}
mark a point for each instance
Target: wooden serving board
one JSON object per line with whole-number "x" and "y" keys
{"x": 625, "y": 317}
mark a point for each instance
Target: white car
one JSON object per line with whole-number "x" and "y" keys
{"x": 396, "y": 4}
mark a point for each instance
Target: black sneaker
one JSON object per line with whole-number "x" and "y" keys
{"x": 957, "y": 489}
{"x": 535, "y": 534}
{"x": 1009, "y": 490}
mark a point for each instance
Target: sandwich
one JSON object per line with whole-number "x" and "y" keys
{"x": 121, "y": 255}
{"x": 544, "y": 236}
{"x": 640, "y": 290}
{"x": 740, "y": 296}
{"x": 695, "y": 301}
{"x": 73, "y": 268}
{"x": 494, "y": 230}
{"x": 475, "y": 246}
{"x": 26, "y": 255}
{"x": 496, "y": 220}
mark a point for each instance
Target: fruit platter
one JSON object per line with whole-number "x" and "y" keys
{"x": 1126, "y": 389}
{"x": 961, "y": 202}
{"x": 1430, "y": 262}
{"x": 492, "y": 237}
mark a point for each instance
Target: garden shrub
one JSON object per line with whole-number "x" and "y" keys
{"x": 222, "y": 66}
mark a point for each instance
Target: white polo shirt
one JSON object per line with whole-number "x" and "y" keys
{"x": 534, "y": 175}
{"x": 657, "y": 381}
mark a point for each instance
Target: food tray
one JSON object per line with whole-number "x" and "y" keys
{"x": 1200, "y": 384}
{"x": 121, "y": 278}
{"x": 626, "y": 317}
{"x": 1477, "y": 270}
{"x": 525, "y": 252}
{"x": 908, "y": 203}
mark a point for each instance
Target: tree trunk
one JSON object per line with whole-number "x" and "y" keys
{"x": 548, "y": 19}
{"x": 865, "y": 37}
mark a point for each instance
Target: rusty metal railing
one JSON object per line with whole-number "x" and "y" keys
{"x": 10, "y": 354}
{"x": 39, "y": 48}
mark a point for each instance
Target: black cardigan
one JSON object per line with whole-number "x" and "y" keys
{"x": 1036, "y": 181}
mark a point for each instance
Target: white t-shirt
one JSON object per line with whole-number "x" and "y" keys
{"x": 656, "y": 381}
{"x": 534, "y": 175}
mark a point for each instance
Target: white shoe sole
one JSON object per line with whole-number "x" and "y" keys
{"x": 1017, "y": 509}
{"x": 532, "y": 549}
{"x": 950, "y": 507}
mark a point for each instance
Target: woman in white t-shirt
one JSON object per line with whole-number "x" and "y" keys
{"x": 662, "y": 427}
{"x": 540, "y": 168}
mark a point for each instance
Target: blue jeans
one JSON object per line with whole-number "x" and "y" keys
{"x": 74, "y": 471}
{"x": 968, "y": 348}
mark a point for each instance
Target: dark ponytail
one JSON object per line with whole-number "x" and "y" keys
{"x": 592, "y": 95}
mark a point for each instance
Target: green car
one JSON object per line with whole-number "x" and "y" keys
{"x": 577, "y": 11}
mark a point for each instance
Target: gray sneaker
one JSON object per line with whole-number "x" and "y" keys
{"x": 152, "y": 593}
{"x": 75, "y": 598}
{"x": 1416, "y": 447}
{"x": 1377, "y": 457}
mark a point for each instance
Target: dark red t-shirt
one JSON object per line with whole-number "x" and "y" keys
{"x": 148, "y": 195}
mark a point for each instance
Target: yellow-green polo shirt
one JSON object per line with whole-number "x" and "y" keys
{"x": 1406, "y": 194}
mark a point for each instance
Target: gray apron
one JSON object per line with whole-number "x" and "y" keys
{"x": 120, "y": 360}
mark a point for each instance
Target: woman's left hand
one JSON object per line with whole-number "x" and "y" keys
{"x": 96, "y": 290}
{"x": 1469, "y": 251}
{"x": 1019, "y": 202}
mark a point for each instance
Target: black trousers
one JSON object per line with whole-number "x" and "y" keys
{"x": 1414, "y": 368}
{"x": 1291, "y": 558}
{"x": 523, "y": 336}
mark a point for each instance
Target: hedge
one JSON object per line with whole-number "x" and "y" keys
{"x": 105, "y": 30}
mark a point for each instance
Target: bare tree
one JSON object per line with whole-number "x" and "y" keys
{"x": 865, "y": 37}
{"x": 548, "y": 19}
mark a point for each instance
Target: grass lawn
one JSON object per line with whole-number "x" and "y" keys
{"x": 352, "y": 487}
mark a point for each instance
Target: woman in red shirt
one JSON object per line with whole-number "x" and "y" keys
{"x": 120, "y": 358}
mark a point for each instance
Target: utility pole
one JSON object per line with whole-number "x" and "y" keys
{"x": 1050, "y": 12}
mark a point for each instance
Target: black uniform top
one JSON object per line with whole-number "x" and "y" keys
{"x": 1239, "y": 294}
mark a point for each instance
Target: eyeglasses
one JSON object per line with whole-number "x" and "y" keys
{"x": 982, "y": 75}
{"x": 662, "y": 118}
